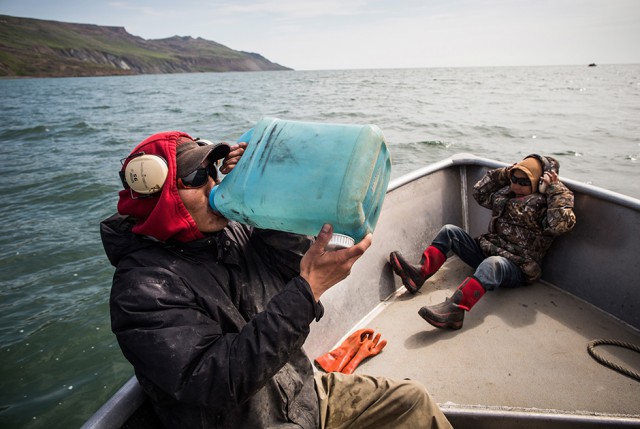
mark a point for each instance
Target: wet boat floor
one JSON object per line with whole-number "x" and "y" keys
{"x": 522, "y": 348}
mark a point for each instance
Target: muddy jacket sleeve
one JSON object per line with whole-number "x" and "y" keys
{"x": 200, "y": 358}
{"x": 211, "y": 333}
{"x": 282, "y": 249}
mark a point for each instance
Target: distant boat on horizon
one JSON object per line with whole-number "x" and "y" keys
{"x": 592, "y": 65}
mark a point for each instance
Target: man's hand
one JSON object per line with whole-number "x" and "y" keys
{"x": 322, "y": 269}
{"x": 232, "y": 159}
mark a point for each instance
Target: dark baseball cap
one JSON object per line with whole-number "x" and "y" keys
{"x": 190, "y": 154}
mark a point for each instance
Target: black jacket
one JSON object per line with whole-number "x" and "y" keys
{"x": 214, "y": 328}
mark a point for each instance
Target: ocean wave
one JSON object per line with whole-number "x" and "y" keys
{"x": 28, "y": 133}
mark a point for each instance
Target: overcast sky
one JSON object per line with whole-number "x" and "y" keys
{"x": 352, "y": 34}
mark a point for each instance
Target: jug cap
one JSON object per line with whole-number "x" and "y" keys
{"x": 340, "y": 241}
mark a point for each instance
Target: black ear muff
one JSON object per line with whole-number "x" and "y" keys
{"x": 144, "y": 174}
{"x": 546, "y": 165}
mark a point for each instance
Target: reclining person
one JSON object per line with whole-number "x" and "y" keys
{"x": 529, "y": 208}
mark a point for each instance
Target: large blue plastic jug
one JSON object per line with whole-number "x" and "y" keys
{"x": 296, "y": 176}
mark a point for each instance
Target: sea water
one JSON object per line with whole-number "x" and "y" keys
{"x": 61, "y": 141}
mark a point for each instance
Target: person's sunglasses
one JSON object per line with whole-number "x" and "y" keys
{"x": 522, "y": 181}
{"x": 198, "y": 178}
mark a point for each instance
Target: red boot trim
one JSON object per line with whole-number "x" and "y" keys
{"x": 472, "y": 290}
{"x": 433, "y": 260}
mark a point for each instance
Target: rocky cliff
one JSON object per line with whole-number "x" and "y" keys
{"x": 38, "y": 48}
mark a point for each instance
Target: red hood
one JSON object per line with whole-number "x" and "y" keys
{"x": 163, "y": 215}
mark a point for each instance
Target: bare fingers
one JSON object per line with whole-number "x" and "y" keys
{"x": 233, "y": 157}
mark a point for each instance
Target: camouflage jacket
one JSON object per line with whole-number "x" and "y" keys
{"x": 522, "y": 229}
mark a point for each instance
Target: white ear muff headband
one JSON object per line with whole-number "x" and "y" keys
{"x": 145, "y": 174}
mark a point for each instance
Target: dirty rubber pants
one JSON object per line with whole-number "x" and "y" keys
{"x": 359, "y": 401}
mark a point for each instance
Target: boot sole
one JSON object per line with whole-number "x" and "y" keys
{"x": 406, "y": 280}
{"x": 440, "y": 325}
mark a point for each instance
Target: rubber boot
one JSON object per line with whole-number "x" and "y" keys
{"x": 450, "y": 313}
{"x": 414, "y": 276}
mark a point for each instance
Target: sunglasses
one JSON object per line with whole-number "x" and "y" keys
{"x": 522, "y": 181}
{"x": 198, "y": 178}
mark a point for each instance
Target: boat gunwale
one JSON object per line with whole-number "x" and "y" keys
{"x": 514, "y": 418}
{"x": 462, "y": 159}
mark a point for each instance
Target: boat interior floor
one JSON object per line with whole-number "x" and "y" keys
{"x": 519, "y": 349}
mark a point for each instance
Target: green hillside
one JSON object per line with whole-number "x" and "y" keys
{"x": 38, "y": 48}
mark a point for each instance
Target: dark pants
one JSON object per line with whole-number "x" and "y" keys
{"x": 492, "y": 272}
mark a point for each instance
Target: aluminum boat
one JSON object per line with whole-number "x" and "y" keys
{"x": 521, "y": 359}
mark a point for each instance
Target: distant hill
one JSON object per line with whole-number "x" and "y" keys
{"x": 38, "y": 48}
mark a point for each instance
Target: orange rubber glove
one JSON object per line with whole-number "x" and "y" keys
{"x": 339, "y": 357}
{"x": 370, "y": 347}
